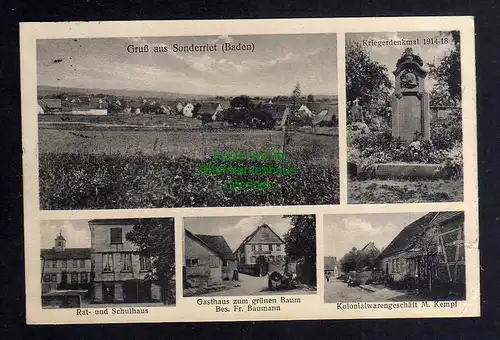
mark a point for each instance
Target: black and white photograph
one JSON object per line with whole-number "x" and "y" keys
{"x": 252, "y": 255}
{"x": 127, "y": 263}
{"x": 394, "y": 257}
{"x": 193, "y": 121}
{"x": 404, "y": 117}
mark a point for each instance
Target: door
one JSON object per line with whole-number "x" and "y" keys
{"x": 263, "y": 265}
{"x": 108, "y": 292}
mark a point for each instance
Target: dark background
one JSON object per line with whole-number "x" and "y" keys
{"x": 12, "y": 313}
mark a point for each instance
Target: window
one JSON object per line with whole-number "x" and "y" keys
{"x": 65, "y": 263}
{"x": 84, "y": 277}
{"x": 59, "y": 244}
{"x": 253, "y": 259}
{"x": 53, "y": 277}
{"x": 279, "y": 258}
{"x": 259, "y": 247}
{"x": 126, "y": 262}
{"x": 82, "y": 263}
{"x": 397, "y": 266}
{"x": 47, "y": 264}
{"x": 75, "y": 264}
{"x": 54, "y": 263}
{"x": 278, "y": 247}
{"x": 191, "y": 262}
{"x": 253, "y": 247}
{"x": 46, "y": 278}
{"x": 116, "y": 235}
{"x": 74, "y": 277}
{"x": 107, "y": 262}
{"x": 224, "y": 263}
{"x": 146, "y": 263}
{"x": 271, "y": 258}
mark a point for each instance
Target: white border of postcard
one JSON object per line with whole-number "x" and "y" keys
{"x": 312, "y": 306}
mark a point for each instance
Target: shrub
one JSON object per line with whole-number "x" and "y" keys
{"x": 452, "y": 166}
{"x": 446, "y": 132}
{"x": 72, "y": 181}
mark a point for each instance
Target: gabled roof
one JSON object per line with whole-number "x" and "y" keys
{"x": 216, "y": 243}
{"x": 331, "y": 263}
{"x": 219, "y": 245}
{"x": 66, "y": 254}
{"x": 409, "y": 235}
{"x": 253, "y": 239}
{"x": 317, "y": 107}
{"x": 208, "y": 108}
{"x": 370, "y": 247}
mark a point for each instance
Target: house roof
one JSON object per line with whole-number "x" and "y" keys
{"x": 445, "y": 216}
{"x": 370, "y": 247}
{"x": 219, "y": 245}
{"x": 225, "y": 105}
{"x": 68, "y": 253}
{"x": 325, "y": 115}
{"x": 255, "y": 237}
{"x": 215, "y": 243}
{"x": 408, "y": 236}
{"x": 317, "y": 107}
{"x": 208, "y": 108}
{"x": 331, "y": 263}
{"x": 52, "y": 103}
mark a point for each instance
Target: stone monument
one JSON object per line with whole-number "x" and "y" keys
{"x": 410, "y": 102}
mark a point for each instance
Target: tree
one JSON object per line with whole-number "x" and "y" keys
{"x": 310, "y": 98}
{"x": 448, "y": 89}
{"x": 366, "y": 80}
{"x": 240, "y": 102}
{"x": 154, "y": 239}
{"x": 300, "y": 243}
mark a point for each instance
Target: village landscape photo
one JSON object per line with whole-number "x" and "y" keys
{"x": 203, "y": 121}
{"x": 404, "y": 117}
{"x": 128, "y": 264}
{"x": 394, "y": 257}
{"x": 247, "y": 256}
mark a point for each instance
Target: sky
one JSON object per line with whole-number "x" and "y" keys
{"x": 235, "y": 229}
{"x": 273, "y": 68}
{"x": 76, "y": 233}
{"x": 343, "y": 232}
{"x": 388, "y": 55}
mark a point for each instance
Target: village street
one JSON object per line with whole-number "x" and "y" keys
{"x": 337, "y": 291}
{"x": 253, "y": 285}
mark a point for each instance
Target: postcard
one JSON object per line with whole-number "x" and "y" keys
{"x": 249, "y": 170}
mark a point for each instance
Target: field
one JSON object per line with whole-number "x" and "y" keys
{"x": 97, "y": 168}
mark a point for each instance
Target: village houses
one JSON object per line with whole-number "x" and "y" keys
{"x": 208, "y": 260}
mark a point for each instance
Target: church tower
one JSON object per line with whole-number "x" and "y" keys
{"x": 60, "y": 243}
